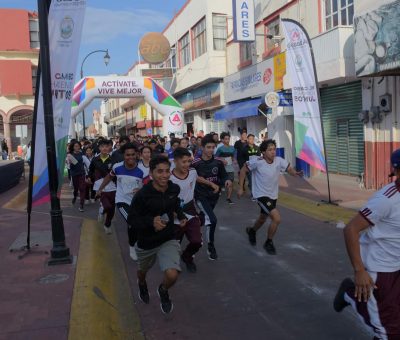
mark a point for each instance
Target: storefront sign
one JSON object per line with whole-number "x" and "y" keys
{"x": 154, "y": 48}
{"x": 285, "y": 98}
{"x": 204, "y": 97}
{"x": 243, "y": 20}
{"x": 376, "y": 41}
{"x": 254, "y": 81}
{"x": 279, "y": 70}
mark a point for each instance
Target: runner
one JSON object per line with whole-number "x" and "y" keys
{"x": 265, "y": 172}
{"x": 186, "y": 178}
{"x": 227, "y": 152}
{"x": 152, "y": 216}
{"x": 144, "y": 164}
{"x": 250, "y": 151}
{"x": 373, "y": 245}
{"x": 239, "y": 145}
{"x": 129, "y": 178}
{"x": 100, "y": 168}
{"x": 90, "y": 194}
{"x": 174, "y": 145}
{"x": 211, "y": 174}
{"x": 77, "y": 171}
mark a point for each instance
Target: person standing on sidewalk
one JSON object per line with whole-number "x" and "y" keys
{"x": 186, "y": 178}
{"x": 227, "y": 152}
{"x": 152, "y": 215}
{"x": 373, "y": 244}
{"x": 98, "y": 170}
{"x": 129, "y": 179}
{"x": 77, "y": 171}
{"x": 265, "y": 172}
{"x": 212, "y": 174}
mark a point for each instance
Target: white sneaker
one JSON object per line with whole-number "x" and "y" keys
{"x": 132, "y": 253}
{"x": 100, "y": 215}
{"x": 107, "y": 230}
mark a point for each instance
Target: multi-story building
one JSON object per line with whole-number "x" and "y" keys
{"x": 19, "y": 51}
{"x": 198, "y": 35}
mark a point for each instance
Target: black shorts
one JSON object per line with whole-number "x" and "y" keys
{"x": 266, "y": 204}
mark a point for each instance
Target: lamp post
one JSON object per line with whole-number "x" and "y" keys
{"x": 106, "y": 61}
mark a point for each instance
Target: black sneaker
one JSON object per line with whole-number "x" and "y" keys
{"x": 212, "y": 252}
{"x": 269, "y": 247}
{"x": 339, "y": 303}
{"x": 74, "y": 200}
{"x": 144, "y": 293}
{"x": 166, "y": 304}
{"x": 190, "y": 266}
{"x": 229, "y": 201}
{"x": 252, "y": 236}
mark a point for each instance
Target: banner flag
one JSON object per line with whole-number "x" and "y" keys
{"x": 243, "y": 21}
{"x": 309, "y": 142}
{"x": 65, "y": 29}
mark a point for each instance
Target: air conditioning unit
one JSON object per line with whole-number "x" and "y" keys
{"x": 363, "y": 116}
{"x": 376, "y": 115}
{"x": 385, "y": 103}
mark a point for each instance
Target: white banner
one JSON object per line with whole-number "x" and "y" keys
{"x": 307, "y": 117}
{"x": 243, "y": 20}
{"x": 65, "y": 30}
{"x": 253, "y": 81}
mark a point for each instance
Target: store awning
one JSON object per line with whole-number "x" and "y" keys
{"x": 247, "y": 108}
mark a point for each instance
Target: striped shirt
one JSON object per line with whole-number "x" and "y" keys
{"x": 128, "y": 181}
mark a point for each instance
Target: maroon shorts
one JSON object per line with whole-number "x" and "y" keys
{"x": 382, "y": 311}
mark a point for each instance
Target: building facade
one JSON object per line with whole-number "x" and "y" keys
{"x": 19, "y": 51}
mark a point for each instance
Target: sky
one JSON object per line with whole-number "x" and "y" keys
{"x": 116, "y": 25}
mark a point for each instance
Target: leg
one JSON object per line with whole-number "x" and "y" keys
{"x": 82, "y": 189}
{"x": 108, "y": 202}
{"x": 193, "y": 234}
{"x": 75, "y": 184}
{"x": 208, "y": 209}
{"x": 146, "y": 260}
{"x": 275, "y": 221}
{"x": 260, "y": 221}
{"x": 170, "y": 277}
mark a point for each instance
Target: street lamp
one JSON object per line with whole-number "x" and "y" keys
{"x": 106, "y": 61}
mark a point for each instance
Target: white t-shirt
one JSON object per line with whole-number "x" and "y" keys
{"x": 145, "y": 169}
{"x": 128, "y": 180}
{"x": 380, "y": 243}
{"x": 187, "y": 186}
{"x": 265, "y": 176}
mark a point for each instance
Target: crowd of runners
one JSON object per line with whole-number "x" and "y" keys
{"x": 167, "y": 189}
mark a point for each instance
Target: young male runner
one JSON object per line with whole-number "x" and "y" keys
{"x": 227, "y": 152}
{"x": 99, "y": 168}
{"x": 373, "y": 244}
{"x": 186, "y": 178}
{"x": 152, "y": 215}
{"x": 129, "y": 179}
{"x": 211, "y": 174}
{"x": 265, "y": 172}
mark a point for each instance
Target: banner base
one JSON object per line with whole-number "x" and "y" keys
{"x": 60, "y": 260}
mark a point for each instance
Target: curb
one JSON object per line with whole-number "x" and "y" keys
{"x": 319, "y": 211}
{"x": 102, "y": 303}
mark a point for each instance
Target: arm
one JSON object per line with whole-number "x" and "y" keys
{"x": 137, "y": 216}
{"x": 243, "y": 172}
{"x": 179, "y": 212}
{"x": 202, "y": 180}
{"x": 224, "y": 176}
{"x": 106, "y": 180}
{"x": 293, "y": 172}
{"x": 364, "y": 283}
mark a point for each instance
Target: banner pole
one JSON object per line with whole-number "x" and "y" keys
{"x": 60, "y": 252}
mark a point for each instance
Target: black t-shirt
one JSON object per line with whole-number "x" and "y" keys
{"x": 248, "y": 151}
{"x": 239, "y": 145}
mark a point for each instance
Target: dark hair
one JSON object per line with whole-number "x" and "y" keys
{"x": 187, "y": 138}
{"x": 250, "y": 135}
{"x": 265, "y": 144}
{"x": 71, "y": 146}
{"x": 172, "y": 135}
{"x": 124, "y": 139}
{"x": 129, "y": 146}
{"x": 181, "y": 152}
{"x": 175, "y": 140}
{"x": 146, "y": 147}
{"x": 207, "y": 139}
{"x": 158, "y": 160}
{"x": 104, "y": 142}
{"x": 224, "y": 134}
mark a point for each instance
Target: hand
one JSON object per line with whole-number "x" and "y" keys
{"x": 98, "y": 193}
{"x": 215, "y": 188}
{"x": 240, "y": 192}
{"x": 89, "y": 181}
{"x": 158, "y": 223}
{"x": 134, "y": 191}
{"x": 224, "y": 162}
{"x": 364, "y": 285}
{"x": 300, "y": 173}
{"x": 183, "y": 222}
{"x": 228, "y": 184}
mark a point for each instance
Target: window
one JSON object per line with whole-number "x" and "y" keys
{"x": 272, "y": 46}
{"x": 184, "y": 50}
{"x": 199, "y": 38}
{"x": 245, "y": 52}
{"x": 34, "y": 33}
{"x": 173, "y": 57}
{"x": 219, "y": 32}
{"x": 34, "y": 77}
{"x": 338, "y": 12}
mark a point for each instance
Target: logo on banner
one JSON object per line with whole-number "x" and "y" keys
{"x": 298, "y": 62}
{"x": 267, "y": 76}
{"x": 66, "y": 27}
{"x": 175, "y": 118}
{"x": 296, "y": 39}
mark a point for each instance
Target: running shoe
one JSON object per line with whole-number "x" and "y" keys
{"x": 100, "y": 215}
{"x": 132, "y": 253}
{"x": 339, "y": 303}
{"x": 229, "y": 201}
{"x": 166, "y": 304}
{"x": 143, "y": 293}
{"x": 269, "y": 247}
{"x": 107, "y": 230}
{"x": 212, "y": 252}
{"x": 252, "y": 236}
{"x": 190, "y": 265}
{"x": 81, "y": 208}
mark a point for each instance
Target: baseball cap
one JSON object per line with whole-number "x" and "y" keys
{"x": 395, "y": 159}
